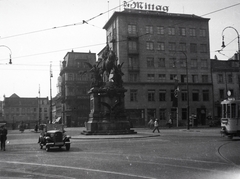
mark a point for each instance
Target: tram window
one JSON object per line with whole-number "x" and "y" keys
{"x": 224, "y": 111}
{"x": 228, "y": 111}
{"x": 233, "y": 106}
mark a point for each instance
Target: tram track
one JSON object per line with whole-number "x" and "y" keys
{"x": 225, "y": 158}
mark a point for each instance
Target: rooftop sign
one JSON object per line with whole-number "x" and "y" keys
{"x": 144, "y": 6}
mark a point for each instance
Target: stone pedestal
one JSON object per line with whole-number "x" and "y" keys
{"x": 107, "y": 115}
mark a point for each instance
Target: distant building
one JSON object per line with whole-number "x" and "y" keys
{"x": 75, "y": 84}
{"x": 154, "y": 47}
{"x": 27, "y": 110}
{"x": 226, "y": 82}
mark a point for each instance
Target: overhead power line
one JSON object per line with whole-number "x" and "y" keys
{"x": 87, "y": 22}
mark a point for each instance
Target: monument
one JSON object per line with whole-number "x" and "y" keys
{"x": 107, "y": 109}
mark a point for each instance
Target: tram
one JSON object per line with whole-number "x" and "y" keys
{"x": 230, "y": 121}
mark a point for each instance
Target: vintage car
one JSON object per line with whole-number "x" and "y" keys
{"x": 53, "y": 135}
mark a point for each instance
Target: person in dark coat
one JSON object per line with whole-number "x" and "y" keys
{"x": 3, "y": 137}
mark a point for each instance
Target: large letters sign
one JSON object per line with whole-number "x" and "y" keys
{"x": 144, "y": 6}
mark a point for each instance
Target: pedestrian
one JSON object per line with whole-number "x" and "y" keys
{"x": 170, "y": 122}
{"x": 150, "y": 123}
{"x": 156, "y": 126}
{"x": 36, "y": 128}
{"x": 3, "y": 136}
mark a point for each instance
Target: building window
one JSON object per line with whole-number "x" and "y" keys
{"x": 171, "y": 31}
{"x": 162, "y": 95}
{"x": 172, "y": 46}
{"x": 162, "y": 77}
{"x": 182, "y": 47}
{"x": 195, "y": 95}
{"x": 172, "y": 62}
{"x": 230, "y": 78}
{"x": 193, "y": 63}
{"x": 70, "y": 77}
{"x": 193, "y": 48}
{"x": 195, "y": 78}
{"x": 132, "y": 45}
{"x": 203, "y": 48}
{"x": 205, "y": 95}
{"x": 173, "y": 77}
{"x": 205, "y": 78}
{"x": 161, "y": 62}
{"x": 184, "y": 95}
{"x": 151, "y": 95}
{"x": 132, "y": 29}
{"x": 162, "y": 114}
{"x": 182, "y": 31}
{"x": 149, "y": 45}
{"x": 150, "y": 77}
{"x": 133, "y": 63}
{"x": 161, "y": 46}
{"x": 221, "y": 93}
{"x": 220, "y": 78}
{"x": 133, "y": 77}
{"x": 183, "y": 78}
{"x": 160, "y": 30}
{"x": 184, "y": 113}
{"x": 192, "y": 32}
{"x": 202, "y": 33}
{"x": 149, "y": 29}
{"x": 133, "y": 95}
{"x": 204, "y": 63}
{"x": 150, "y": 62}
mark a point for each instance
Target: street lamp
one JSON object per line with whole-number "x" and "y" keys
{"x": 51, "y": 75}
{"x": 187, "y": 88}
{"x": 223, "y": 44}
{"x": 238, "y": 52}
{"x": 10, "y": 54}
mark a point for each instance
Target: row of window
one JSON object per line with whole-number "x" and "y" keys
{"x": 172, "y": 46}
{"x": 163, "y": 95}
{"x": 172, "y": 77}
{"x": 25, "y": 110}
{"x": 228, "y": 78}
{"x": 77, "y": 77}
{"x": 172, "y": 63}
{"x": 171, "y": 31}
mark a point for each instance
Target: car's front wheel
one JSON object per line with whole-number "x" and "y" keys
{"x": 47, "y": 148}
{"x": 67, "y": 147}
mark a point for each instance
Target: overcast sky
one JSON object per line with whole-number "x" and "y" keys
{"x": 40, "y": 32}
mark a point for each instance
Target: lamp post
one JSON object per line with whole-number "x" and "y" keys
{"x": 187, "y": 88}
{"x": 50, "y": 109}
{"x": 10, "y": 54}
{"x": 223, "y": 44}
{"x": 238, "y": 52}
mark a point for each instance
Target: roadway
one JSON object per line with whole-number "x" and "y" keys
{"x": 175, "y": 153}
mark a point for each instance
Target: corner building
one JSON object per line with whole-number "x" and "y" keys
{"x": 161, "y": 50}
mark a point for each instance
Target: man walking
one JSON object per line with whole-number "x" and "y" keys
{"x": 3, "y": 137}
{"x": 156, "y": 126}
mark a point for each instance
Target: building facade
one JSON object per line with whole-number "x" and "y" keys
{"x": 160, "y": 50}
{"x": 226, "y": 82}
{"x": 75, "y": 84}
{"x": 29, "y": 111}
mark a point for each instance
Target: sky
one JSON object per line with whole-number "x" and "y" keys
{"x": 39, "y": 33}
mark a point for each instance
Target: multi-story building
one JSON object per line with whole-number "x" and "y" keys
{"x": 30, "y": 111}
{"x": 75, "y": 84}
{"x": 226, "y": 82}
{"x": 159, "y": 49}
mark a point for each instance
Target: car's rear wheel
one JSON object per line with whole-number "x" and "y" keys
{"x": 47, "y": 148}
{"x": 67, "y": 147}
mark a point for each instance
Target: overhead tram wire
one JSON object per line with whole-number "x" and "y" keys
{"x": 83, "y": 22}
{"x": 67, "y": 25}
